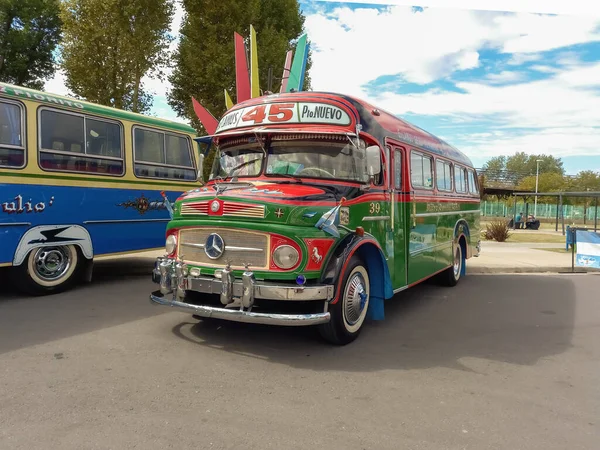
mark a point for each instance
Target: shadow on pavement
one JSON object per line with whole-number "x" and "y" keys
{"x": 513, "y": 319}
{"x": 118, "y": 294}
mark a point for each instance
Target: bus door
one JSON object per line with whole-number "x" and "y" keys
{"x": 398, "y": 216}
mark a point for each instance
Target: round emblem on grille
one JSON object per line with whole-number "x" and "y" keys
{"x": 214, "y": 206}
{"x": 214, "y": 246}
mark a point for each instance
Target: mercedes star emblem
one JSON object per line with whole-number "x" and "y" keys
{"x": 214, "y": 246}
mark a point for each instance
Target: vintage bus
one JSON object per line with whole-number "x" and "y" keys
{"x": 319, "y": 208}
{"x": 79, "y": 180}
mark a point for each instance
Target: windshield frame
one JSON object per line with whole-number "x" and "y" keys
{"x": 265, "y": 146}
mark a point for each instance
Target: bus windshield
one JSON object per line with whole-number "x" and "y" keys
{"x": 300, "y": 158}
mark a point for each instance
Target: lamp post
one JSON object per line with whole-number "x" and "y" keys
{"x": 537, "y": 176}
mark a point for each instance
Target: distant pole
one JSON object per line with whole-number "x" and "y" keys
{"x": 562, "y": 215}
{"x": 515, "y": 213}
{"x": 596, "y": 216}
{"x": 556, "y": 227}
{"x": 537, "y": 176}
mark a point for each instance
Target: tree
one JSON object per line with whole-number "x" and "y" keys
{"x": 547, "y": 182}
{"x": 205, "y": 57}
{"x": 29, "y": 34}
{"x": 110, "y": 45}
{"x": 513, "y": 169}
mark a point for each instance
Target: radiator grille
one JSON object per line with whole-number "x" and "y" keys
{"x": 252, "y": 247}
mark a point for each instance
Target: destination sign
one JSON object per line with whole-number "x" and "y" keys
{"x": 25, "y": 93}
{"x": 284, "y": 113}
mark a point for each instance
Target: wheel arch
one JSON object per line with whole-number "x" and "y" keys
{"x": 369, "y": 251}
{"x": 53, "y": 235}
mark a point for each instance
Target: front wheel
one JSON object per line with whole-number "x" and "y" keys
{"x": 348, "y": 314}
{"x": 48, "y": 270}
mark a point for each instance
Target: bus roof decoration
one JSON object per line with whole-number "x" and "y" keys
{"x": 247, "y": 78}
{"x": 287, "y": 67}
{"x": 296, "y": 76}
{"x": 242, "y": 78}
{"x": 228, "y": 101}
{"x": 208, "y": 120}
{"x": 254, "y": 81}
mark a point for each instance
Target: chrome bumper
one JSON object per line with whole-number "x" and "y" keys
{"x": 237, "y": 315}
{"x": 174, "y": 278}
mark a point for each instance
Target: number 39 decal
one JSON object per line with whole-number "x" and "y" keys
{"x": 278, "y": 112}
{"x": 374, "y": 208}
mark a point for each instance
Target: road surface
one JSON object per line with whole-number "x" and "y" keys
{"x": 498, "y": 362}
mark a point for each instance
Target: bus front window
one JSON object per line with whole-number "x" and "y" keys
{"x": 318, "y": 159}
{"x": 241, "y": 161}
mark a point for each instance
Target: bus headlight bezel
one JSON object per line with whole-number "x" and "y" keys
{"x": 171, "y": 244}
{"x": 286, "y": 257}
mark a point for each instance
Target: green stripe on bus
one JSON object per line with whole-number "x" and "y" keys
{"x": 158, "y": 183}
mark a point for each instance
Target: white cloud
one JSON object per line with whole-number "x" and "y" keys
{"x": 572, "y": 7}
{"x": 433, "y": 44}
{"x": 557, "y": 142}
{"x": 505, "y": 76}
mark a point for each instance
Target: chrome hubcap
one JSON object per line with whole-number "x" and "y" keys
{"x": 51, "y": 263}
{"x": 457, "y": 261}
{"x": 355, "y": 298}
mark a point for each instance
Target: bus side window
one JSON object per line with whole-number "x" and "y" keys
{"x": 12, "y": 145}
{"x": 443, "y": 175}
{"x": 473, "y": 189}
{"x": 460, "y": 179}
{"x": 162, "y": 155}
{"x": 398, "y": 170}
{"x": 71, "y": 142}
{"x": 421, "y": 170}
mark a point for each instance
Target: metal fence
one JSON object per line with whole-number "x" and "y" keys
{"x": 544, "y": 210}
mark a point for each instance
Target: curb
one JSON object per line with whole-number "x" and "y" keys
{"x": 512, "y": 270}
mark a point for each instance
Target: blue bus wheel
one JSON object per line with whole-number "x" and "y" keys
{"x": 48, "y": 270}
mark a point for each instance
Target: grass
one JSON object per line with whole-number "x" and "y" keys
{"x": 536, "y": 238}
{"x": 556, "y": 250}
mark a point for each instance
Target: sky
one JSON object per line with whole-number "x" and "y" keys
{"x": 491, "y": 77}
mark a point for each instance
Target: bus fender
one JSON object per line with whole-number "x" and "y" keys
{"x": 461, "y": 229}
{"x": 379, "y": 276}
{"x": 52, "y": 235}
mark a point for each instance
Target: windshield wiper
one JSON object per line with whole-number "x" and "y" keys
{"x": 287, "y": 175}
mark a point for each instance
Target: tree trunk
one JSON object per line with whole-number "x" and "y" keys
{"x": 136, "y": 89}
{"x": 5, "y": 29}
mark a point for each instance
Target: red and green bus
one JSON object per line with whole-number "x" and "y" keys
{"x": 319, "y": 208}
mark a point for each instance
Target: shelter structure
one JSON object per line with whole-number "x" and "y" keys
{"x": 559, "y": 210}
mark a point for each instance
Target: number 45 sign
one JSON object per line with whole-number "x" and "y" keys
{"x": 278, "y": 113}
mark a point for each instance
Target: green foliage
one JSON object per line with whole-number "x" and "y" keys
{"x": 497, "y": 230}
{"x": 205, "y": 57}
{"x": 110, "y": 45}
{"x": 520, "y": 165}
{"x": 29, "y": 34}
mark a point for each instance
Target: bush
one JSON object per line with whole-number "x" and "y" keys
{"x": 497, "y": 231}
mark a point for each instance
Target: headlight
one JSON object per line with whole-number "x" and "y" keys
{"x": 171, "y": 244}
{"x": 285, "y": 256}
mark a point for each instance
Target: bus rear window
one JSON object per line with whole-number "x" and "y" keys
{"x": 473, "y": 188}
{"x": 12, "y": 147}
{"x": 162, "y": 155}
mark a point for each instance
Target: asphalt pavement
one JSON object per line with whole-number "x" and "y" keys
{"x": 498, "y": 362}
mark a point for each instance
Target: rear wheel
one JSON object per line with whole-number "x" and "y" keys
{"x": 49, "y": 270}
{"x": 452, "y": 274}
{"x": 348, "y": 314}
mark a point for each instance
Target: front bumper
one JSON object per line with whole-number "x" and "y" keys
{"x": 174, "y": 278}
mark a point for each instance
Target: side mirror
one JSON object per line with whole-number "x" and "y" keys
{"x": 373, "y": 160}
